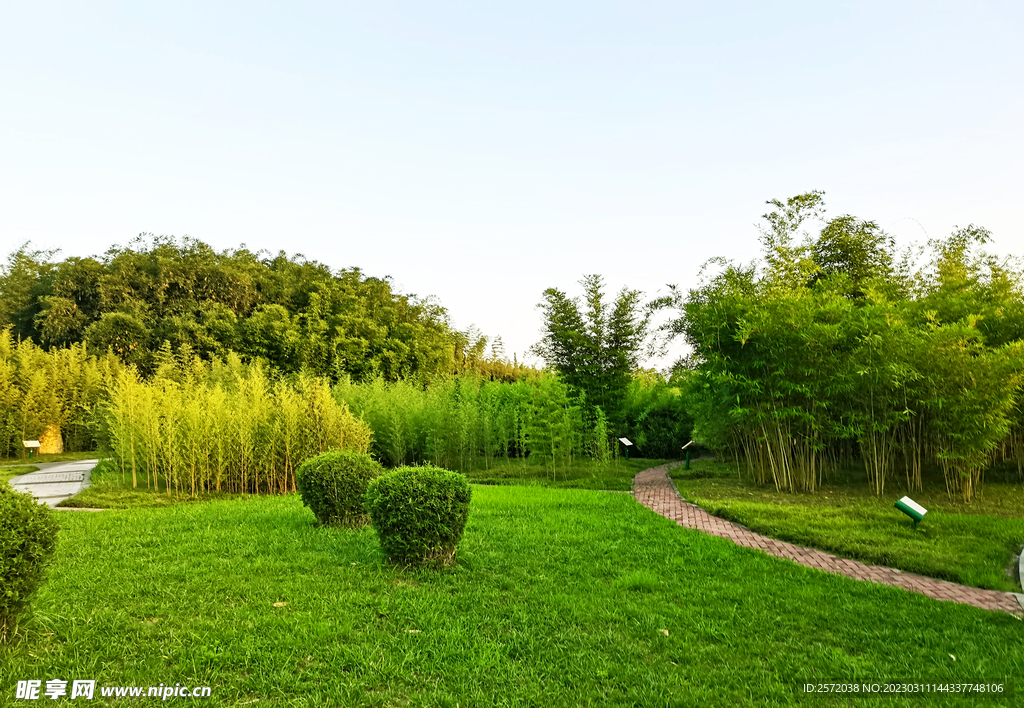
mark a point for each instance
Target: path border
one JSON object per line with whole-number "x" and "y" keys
{"x": 655, "y": 490}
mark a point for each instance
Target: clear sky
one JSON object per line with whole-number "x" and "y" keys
{"x": 481, "y": 152}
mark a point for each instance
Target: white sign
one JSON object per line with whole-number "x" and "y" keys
{"x": 625, "y": 441}
{"x": 914, "y": 505}
{"x": 30, "y": 443}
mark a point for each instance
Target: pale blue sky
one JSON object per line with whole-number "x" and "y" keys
{"x": 481, "y": 153}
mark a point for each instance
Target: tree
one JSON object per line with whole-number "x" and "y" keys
{"x": 594, "y": 350}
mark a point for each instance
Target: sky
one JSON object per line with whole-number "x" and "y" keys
{"x": 482, "y": 152}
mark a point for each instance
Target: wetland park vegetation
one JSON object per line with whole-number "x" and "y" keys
{"x": 824, "y": 379}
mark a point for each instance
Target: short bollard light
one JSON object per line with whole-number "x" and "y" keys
{"x": 912, "y": 509}
{"x": 627, "y": 444}
{"x": 687, "y": 454}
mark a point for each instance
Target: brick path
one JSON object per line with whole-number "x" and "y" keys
{"x": 655, "y": 490}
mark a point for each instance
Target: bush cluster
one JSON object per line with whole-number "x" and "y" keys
{"x": 419, "y": 513}
{"x": 333, "y": 485}
{"x": 28, "y": 536}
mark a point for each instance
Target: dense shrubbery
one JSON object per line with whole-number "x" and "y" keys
{"x": 224, "y": 426}
{"x": 333, "y": 485}
{"x": 838, "y": 347}
{"x": 419, "y": 513}
{"x": 62, "y": 387}
{"x": 28, "y": 536}
{"x": 288, "y": 312}
{"x": 466, "y": 421}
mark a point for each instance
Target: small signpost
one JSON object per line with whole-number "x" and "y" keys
{"x": 912, "y": 509}
{"x": 628, "y": 444}
{"x": 687, "y": 454}
{"x": 32, "y": 445}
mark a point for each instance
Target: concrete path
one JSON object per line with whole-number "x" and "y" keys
{"x": 655, "y": 490}
{"x": 55, "y": 481}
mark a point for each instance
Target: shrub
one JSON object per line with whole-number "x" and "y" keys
{"x": 333, "y": 486}
{"x": 28, "y": 535}
{"x": 419, "y": 513}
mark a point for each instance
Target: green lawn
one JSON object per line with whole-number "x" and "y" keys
{"x": 560, "y": 598}
{"x": 109, "y": 489}
{"x": 9, "y": 472}
{"x": 970, "y": 544}
{"x": 39, "y": 459}
{"x": 613, "y": 476}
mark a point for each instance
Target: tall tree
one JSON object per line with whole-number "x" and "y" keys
{"x": 594, "y": 349}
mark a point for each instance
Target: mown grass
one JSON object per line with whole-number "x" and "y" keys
{"x": 40, "y": 459}
{"x": 559, "y": 598}
{"x": 582, "y": 474}
{"x": 9, "y": 472}
{"x": 972, "y": 544}
{"x": 110, "y": 489}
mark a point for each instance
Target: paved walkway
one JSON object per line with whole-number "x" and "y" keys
{"x": 655, "y": 490}
{"x": 55, "y": 481}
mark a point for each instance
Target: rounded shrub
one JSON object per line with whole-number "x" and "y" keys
{"x": 419, "y": 513}
{"x": 28, "y": 536}
{"x": 333, "y": 485}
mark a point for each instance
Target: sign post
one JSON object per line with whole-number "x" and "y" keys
{"x": 627, "y": 444}
{"x": 32, "y": 445}
{"x": 687, "y": 454}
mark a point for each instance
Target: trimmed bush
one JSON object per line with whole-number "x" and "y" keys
{"x": 419, "y": 513}
{"x": 333, "y": 485}
{"x": 28, "y": 536}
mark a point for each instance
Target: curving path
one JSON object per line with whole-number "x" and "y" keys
{"x": 655, "y": 490}
{"x": 54, "y": 482}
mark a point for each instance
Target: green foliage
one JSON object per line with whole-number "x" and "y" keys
{"x": 594, "y": 350}
{"x": 61, "y": 387}
{"x": 467, "y": 421}
{"x": 419, "y": 513}
{"x": 333, "y": 485}
{"x": 657, "y": 420}
{"x": 838, "y": 347}
{"x": 28, "y": 536}
{"x": 197, "y": 427}
{"x": 292, "y": 314}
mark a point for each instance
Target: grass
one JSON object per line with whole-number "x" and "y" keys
{"x": 560, "y": 598}
{"x": 613, "y": 476}
{"x": 40, "y": 459}
{"x": 108, "y": 489}
{"x": 9, "y": 472}
{"x": 972, "y": 544}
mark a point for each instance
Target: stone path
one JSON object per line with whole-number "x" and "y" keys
{"x": 55, "y": 481}
{"x": 655, "y": 490}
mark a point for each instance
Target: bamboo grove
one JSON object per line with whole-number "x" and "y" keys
{"x": 467, "y": 422}
{"x": 838, "y": 349}
{"x": 197, "y": 427}
{"x": 62, "y": 387}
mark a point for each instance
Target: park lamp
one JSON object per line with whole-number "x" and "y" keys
{"x": 687, "y": 454}
{"x": 627, "y": 443}
{"x": 912, "y": 509}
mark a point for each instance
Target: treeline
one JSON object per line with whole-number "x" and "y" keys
{"x": 292, "y": 314}
{"x": 467, "y": 421}
{"x": 196, "y": 426}
{"x": 839, "y": 347}
{"x": 63, "y": 387}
